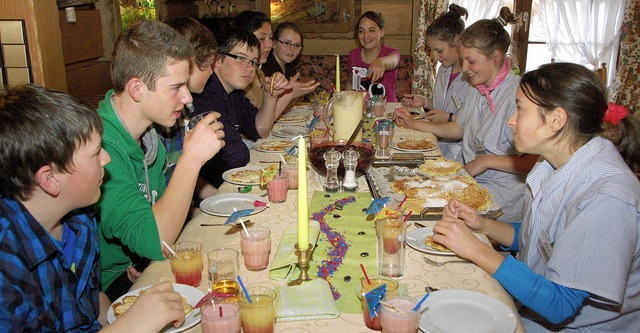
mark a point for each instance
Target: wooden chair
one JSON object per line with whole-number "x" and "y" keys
{"x": 602, "y": 73}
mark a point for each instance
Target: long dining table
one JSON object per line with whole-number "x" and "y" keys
{"x": 280, "y": 217}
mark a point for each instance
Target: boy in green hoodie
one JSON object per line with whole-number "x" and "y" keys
{"x": 150, "y": 72}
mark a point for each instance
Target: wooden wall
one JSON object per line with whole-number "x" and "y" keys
{"x": 43, "y": 37}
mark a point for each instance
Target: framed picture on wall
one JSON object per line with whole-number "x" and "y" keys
{"x": 315, "y": 16}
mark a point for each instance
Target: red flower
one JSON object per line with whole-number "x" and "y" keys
{"x": 615, "y": 113}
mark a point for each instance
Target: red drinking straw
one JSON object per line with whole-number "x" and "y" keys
{"x": 220, "y": 310}
{"x": 366, "y": 277}
{"x": 407, "y": 217}
{"x": 403, "y": 200}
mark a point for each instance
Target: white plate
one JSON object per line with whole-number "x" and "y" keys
{"x": 192, "y": 294}
{"x": 415, "y": 239}
{"x": 296, "y": 115}
{"x": 394, "y": 145}
{"x": 223, "y": 204}
{"x": 454, "y": 311}
{"x": 257, "y": 145}
{"x": 228, "y": 173}
{"x": 290, "y": 132}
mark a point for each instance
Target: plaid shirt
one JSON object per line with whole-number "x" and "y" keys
{"x": 38, "y": 290}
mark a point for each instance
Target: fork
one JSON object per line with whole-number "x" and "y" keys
{"x": 440, "y": 263}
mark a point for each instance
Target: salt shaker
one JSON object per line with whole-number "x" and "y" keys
{"x": 350, "y": 160}
{"x": 331, "y": 162}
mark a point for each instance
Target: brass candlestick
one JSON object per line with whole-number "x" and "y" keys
{"x": 303, "y": 260}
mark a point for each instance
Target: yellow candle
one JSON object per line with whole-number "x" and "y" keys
{"x": 337, "y": 73}
{"x": 303, "y": 215}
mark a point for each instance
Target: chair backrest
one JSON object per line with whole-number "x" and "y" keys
{"x": 602, "y": 73}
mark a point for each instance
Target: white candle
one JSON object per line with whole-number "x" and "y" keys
{"x": 337, "y": 73}
{"x": 303, "y": 215}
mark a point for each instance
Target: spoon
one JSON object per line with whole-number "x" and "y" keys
{"x": 353, "y": 135}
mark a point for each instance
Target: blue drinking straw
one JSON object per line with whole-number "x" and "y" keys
{"x": 244, "y": 290}
{"x": 415, "y": 308}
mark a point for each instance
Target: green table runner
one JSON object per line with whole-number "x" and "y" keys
{"x": 349, "y": 227}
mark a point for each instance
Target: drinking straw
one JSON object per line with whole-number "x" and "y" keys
{"x": 403, "y": 200}
{"x": 282, "y": 158}
{"x": 407, "y": 217}
{"x": 173, "y": 253}
{"x": 415, "y": 308}
{"x": 244, "y": 290}
{"x": 366, "y": 277}
{"x": 279, "y": 168}
{"x": 220, "y": 311}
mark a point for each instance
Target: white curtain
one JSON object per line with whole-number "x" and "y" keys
{"x": 483, "y": 9}
{"x": 585, "y": 31}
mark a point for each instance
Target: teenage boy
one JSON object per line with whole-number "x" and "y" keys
{"x": 234, "y": 68}
{"x": 51, "y": 167}
{"x": 150, "y": 72}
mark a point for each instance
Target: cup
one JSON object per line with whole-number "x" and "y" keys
{"x": 319, "y": 110}
{"x": 292, "y": 169}
{"x": 277, "y": 187}
{"x": 377, "y": 107}
{"x": 384, "y": 135}
{"x": 223, "y": 269}
{"x": 259, "y": 316}
{"x": 187, "y": 264}
{"x": 391, "y": 234}
{"x": 376, "y": 281}
{"x": 222, "y": 316}
{"x": 256, "y": 247}
{"x": 318, "y": 135}
{"x": 403, "y": 320}
{"x": 194, "y": 120}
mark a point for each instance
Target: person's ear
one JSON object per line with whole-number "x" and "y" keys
{"x": 47, "y": 180}
{"x": 557, "y": 119}
{"x": 136, "y": 88}
{"x": 381, "y": 33}
{"x": 497, "y": 56}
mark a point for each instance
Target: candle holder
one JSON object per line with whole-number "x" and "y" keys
{"x": 303, "y": 260}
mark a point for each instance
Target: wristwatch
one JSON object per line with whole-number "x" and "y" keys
{"x": 450, "y": 117}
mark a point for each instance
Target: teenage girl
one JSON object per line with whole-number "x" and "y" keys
{"x": 287, "y": 46}
{"x": 451, "y": 86}
{"x": 380, "y": 60}
{"x": 487, "y": 142}
{"x": 578, "y": 262}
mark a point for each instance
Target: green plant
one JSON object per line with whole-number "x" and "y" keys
{"x": 142, "y": 10}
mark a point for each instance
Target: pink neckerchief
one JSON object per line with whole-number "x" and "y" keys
{"x": 502, "y": 75}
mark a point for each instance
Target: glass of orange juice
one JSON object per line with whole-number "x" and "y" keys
{"x": 223, "y": 269}
{"x": 258, "y": 315}
{"x": 376, "y": 281}
{"x": 187, "y": 264}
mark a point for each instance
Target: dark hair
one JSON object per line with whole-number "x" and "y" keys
{"x": 626, "y": 137}
{"x": 288, "y": 26}
{"x": 448, "y": 25}
{"x": 144, "y": 51}
{"x": 38, "y": 127}
{"x": 373, "y": 16}
{"x": 236, "y": 36}
{"x": 572, "y": 87}
{"x": 489, "y": 35}
{"x": 201, "y": 39}
{"x": 250, "y": 20}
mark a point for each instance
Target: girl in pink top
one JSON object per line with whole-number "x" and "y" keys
{"x": 380, "y": 60}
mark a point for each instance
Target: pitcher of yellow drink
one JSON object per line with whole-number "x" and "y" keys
{"x": 346, "y": 108}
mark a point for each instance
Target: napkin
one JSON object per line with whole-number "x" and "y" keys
{"x": 285, "y": 262}
{"x": 308, "y": 301}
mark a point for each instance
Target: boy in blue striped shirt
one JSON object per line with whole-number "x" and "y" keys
{"x": 51, "y": 168}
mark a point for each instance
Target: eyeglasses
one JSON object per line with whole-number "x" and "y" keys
{"x": 244, "y": 60}
{"x": 287, "y": 44}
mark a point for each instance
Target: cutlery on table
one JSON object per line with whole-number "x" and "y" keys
{"x": 440, "y": 263}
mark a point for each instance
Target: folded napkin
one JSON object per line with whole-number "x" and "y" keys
{"x": 308, "y": 301}
{"x": 285, "y": 262}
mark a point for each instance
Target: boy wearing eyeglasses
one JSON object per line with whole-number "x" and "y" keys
{"x": 234, "y": 68}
